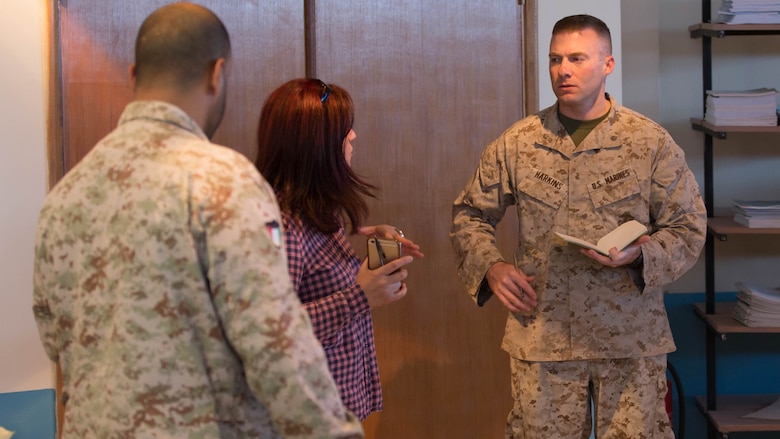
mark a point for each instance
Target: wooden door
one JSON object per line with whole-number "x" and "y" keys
{"x": 96, "y": 41}
{"x": 94, "y": 49}
{"x": 433, "y": 81}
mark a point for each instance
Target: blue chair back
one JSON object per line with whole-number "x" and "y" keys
{"x": 29, "y": 414}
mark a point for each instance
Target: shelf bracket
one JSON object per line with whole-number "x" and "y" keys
{"x": 712, "y": 133}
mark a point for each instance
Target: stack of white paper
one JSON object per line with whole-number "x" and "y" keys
{"x": 757, "y": 306}
{"x": 757, "y": 214}
{"x": 749, "y": 12}
{"x": 772, "y": 411}
{"x": 757, "y": 107}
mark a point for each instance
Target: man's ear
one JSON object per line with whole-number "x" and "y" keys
{"x": 216, "y": 76}
{"x": 609, "y": 64}
{"x": 132, "y": 74}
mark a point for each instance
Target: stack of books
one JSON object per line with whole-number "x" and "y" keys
{"x": 757, "y": 307}
{"x": 757, "y": 214}
{"x": 749, "y": 12}
{"x": 757, "y": 107}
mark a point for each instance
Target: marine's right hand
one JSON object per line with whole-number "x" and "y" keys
{"x": 512, "y": 287}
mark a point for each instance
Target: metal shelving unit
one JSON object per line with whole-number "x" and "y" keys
{"x": 724, "y": 412}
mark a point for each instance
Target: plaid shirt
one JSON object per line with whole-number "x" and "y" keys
{"x": 323, "y": 269}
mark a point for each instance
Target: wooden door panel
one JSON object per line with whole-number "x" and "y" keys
{"x": 96, "y": 46}
{"x": 97, "y": 106}
{"x": 433, "y": 81}
{"x": 95, "y": 42}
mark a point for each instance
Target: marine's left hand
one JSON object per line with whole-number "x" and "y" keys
{"x": 390, "y": 232}
{"x": 619, "y": 258}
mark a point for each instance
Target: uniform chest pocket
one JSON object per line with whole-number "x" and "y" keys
{"x": 542, "y": 189}
{"x": 614, "y": 188}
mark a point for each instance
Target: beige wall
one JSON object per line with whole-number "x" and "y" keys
{"x": 23, "y": 28}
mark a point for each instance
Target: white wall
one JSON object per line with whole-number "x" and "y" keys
{"x": 23, "y": 91}
{"x": 550, "y": 11}
{"x": 745, "y": 165}
{"x": 641, "y": 57}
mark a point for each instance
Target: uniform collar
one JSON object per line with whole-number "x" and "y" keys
{"x": 161, "y": 112}
{"x": 555, "y": 137}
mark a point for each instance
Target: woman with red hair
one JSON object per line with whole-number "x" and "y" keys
{"x": 305, "y": 139}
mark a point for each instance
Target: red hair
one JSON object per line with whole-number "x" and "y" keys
{"x": 300, "y": 138}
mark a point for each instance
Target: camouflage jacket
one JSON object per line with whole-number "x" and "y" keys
{"x": 628, "y": 167}
{"x": 161, "y": 288}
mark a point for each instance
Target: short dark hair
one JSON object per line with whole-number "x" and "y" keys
{"x": 574, "y": 23}
{"x": 300, "y": 138}
{"x": 181, "y": 41}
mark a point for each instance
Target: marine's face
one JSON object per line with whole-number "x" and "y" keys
{"x": 579, "y": 65}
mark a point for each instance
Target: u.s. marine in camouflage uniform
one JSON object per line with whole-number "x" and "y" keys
{"x": 161, "y": 284}
{"x": 582, "y": 325}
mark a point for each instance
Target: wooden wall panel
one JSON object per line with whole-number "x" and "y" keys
{"x": 93, "y": 50}
{"x": 96, "y": 47}
{"x": 433, "y": 81}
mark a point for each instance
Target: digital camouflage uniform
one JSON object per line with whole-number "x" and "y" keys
{"x": 161, "y": 288}
{"x": 628, "y": 167}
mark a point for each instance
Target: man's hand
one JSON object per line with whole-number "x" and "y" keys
{"x": 512, "y": 287}
{"x": 619, "y": 258}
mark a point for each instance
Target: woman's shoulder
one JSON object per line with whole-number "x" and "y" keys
{"x": 297, "y": 228}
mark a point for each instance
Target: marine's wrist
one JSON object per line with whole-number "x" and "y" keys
{"x": 637, "y": 263}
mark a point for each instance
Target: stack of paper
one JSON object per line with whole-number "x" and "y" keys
{"x": 757, "y": 307}
{"x": 749, "y": 12}
{"x": 757, "y": 107}
{"x": 757, "y": 214}
{"x": 772, "y": 411}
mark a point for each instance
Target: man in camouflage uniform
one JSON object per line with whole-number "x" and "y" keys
{"x": 160, "y": 282}
{"x": 582, "y": 325}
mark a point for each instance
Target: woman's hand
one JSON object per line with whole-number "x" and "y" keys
{"x": 384, "y": 285}
{"x": 390, "y": 232}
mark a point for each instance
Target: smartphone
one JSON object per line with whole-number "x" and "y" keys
{"x": 382, "y": 251}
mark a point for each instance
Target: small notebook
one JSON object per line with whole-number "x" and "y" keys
{"x": 620, "y": 237}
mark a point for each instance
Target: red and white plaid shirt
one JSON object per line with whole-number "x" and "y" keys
{"x": 323, "y": 269}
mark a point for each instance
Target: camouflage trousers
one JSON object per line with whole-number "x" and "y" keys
{"x": 553, "y": 399}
